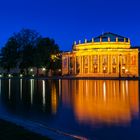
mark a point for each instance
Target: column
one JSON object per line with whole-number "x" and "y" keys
{"x": 108, "y": 67}
{"x": 68, "y": 59}
{"x": 88, "y": 65}
{"x": 75, "y": 64}
{"x": 82, "y": 64}
{"x": 98, "y": 68}
{"x": 91, "y": 63}
{"x": 101, "y": 64}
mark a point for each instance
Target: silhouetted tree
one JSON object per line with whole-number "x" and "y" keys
{"x": 27, "y": 41}
{"x": 9, "y": 54}
{"x": 45, "y": 48}
{"x": 28, "y": 49}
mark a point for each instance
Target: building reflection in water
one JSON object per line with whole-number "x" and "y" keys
{"x": 102, "y": 101}
{"x": 54, "y": 99}
{"x": 0, "y": 86}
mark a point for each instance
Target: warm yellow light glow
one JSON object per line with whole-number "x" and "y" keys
{"x": 54, "y": 99}
{"x": 109, "y": 102}
{"x": 126, "y": 70}
{"x": 103, "y": 58}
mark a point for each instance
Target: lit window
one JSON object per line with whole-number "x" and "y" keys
{"x": 113, "y": 60}
{"x": 123, "y": 60}
{"x": 86, "y": 60}
{"x": 133, "y": 60}
{"x": 64, "y": 62}
{"x": 104, "y": 60}
{"x": 95, "y": 59}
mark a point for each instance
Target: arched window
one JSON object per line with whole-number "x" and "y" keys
{"x": 114, "y": 60}
{"x": 123, "y": 60}
{"x": 133, "y": 60}
{"x": 86, "y": 61}
{"x": 104, "y": 60}
{"x": 95, "y": 59}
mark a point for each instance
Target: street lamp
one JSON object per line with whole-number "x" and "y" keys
{"x": 31, "y": 70}
{"x": 43, "y": 69}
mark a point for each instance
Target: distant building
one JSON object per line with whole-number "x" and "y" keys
{"x": 108, "y": 55}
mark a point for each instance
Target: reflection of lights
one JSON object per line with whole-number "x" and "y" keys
{"x": 54, "y": 99}
{"x": 1, "y": 75}
{"x": 114, "y": 88}
{"x": 123, "y": 89}
{"x": 21, "y": 75}
{"x": 33, "y": 75}
{"x": 0, "y": 86}
{"x": 32, "y": 89}
{"x": 60, "y": 87}
{"x": 104, "y": 90}
{"x": 21, "y": 89}
{"x": 43, "y": 93}
{"x": 95, "y": 88}
{"x": 86, "y": 87}
{"x": 115, "y": 110}
{"x": 126, "y": 88}
{"x": 31, "y": 70}
{"x": 9, "y": 91}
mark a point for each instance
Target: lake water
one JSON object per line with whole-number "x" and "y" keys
{"x": 94, "y": 109}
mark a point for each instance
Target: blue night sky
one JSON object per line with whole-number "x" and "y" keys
{"x": 71, "y": 20}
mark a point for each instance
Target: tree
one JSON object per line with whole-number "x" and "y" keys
{"x": 9, "y": 54}
{"x": 45, "y": 48}
{"x": 27, "y": 40}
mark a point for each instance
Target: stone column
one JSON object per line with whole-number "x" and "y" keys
{"x": 88, "y": 65}
{"x": 91, "y": 63}
{"x": 75, "y": 64}
{"x": 98, "y": 66}
{"x": 82, "y": 64}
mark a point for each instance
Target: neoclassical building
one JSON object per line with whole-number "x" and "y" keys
{"x": 108, "y": 55}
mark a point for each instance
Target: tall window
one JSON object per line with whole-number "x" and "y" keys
{"x": 77, "y": 65}
{"x": 114, "y": 60}
{"x": 123, "y": 60}
{"x": 71, "y": 62}
{"x": 104, "y": 60}
{"x": 64, "y": 62}
{"x": 133, "y": 60}
{"x": 86, "y": 61}
{"x": 95, "y": 59}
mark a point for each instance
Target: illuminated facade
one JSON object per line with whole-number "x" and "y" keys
{"x": 108, "y": 55}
